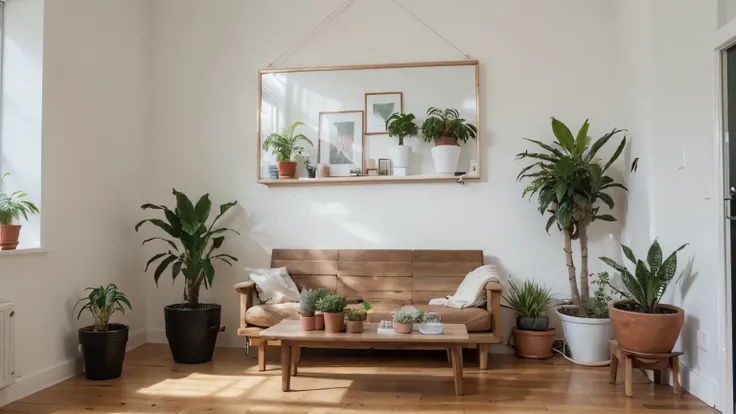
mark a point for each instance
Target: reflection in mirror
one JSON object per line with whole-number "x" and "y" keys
{"x": 345, "y": 111}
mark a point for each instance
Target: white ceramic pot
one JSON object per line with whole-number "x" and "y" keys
{"x": 445, "y": 159}
{"x": 587, "y": 338}
{"x": 400, "y": 155}
{"x": 301, "y": 166}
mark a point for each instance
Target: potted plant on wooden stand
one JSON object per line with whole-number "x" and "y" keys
{"x": 12, "y": 207}
{"x": 333, "y": 308}
{"x": 307, "y": 306}
{"x": 570, "y": 183}
{"x": 284, "y": 146}
{"x": 401, "y": 126}
{"x": 532, "y": 336}
{"x": 103, "y": 343}
{"x": 356, "y": 316}
{"x": 405, "y": 318}
{"x": 640, "y": 322}
{"x": 191, "y": 327}
{"x": 446, "y": 129}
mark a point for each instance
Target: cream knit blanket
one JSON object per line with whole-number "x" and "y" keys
{"x": 470, "y": 292}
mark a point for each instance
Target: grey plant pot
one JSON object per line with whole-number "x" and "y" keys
{"x": 526, "y": 323}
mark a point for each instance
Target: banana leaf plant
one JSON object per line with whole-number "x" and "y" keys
{"x": 194, "y": 253}
{"x": 570, "y": 182}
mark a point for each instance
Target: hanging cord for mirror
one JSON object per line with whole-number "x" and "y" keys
{"x": 344, "y": 6}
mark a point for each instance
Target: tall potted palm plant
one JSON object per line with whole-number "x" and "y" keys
{"x": 571, "y": 183}
{"x": 446, "y": 129}
{"x": 284, "y": 146}
{"x": 191, "y": 327}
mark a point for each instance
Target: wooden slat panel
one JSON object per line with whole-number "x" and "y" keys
{"x": 375, "y": 256}
{"x": 448, "y": 256}
{"x": 399, "y": 269}
{"x": 366, "y": 283}
{"x": 307, "y": 268}
{"x": 327, "y": 282}
{"x": 306, "y": 255}
{"x": 422, "y": 297}
{"x": 351, "y": 294}
{"x": 443, "y": 269}
{"x": 436, "y": 283}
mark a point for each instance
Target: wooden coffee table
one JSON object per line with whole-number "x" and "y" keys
{"x": 293, "y": 338}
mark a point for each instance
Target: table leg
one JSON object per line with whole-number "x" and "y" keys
{"x": 294, "y": 359}
{"x": 285, "y": 366}
{"x": 675, "y": 362}
{"x": 483, "y": 357}
{"x": 629, "y": 375}
{"x": 613, "y": 370}
{"x": 457, "y": 368}
{"x": 262, "y": 355}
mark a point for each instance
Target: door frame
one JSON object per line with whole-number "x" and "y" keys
{"x": 725, "y": 395}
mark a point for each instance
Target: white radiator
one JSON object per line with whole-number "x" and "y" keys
{"x": 7, "y": 344}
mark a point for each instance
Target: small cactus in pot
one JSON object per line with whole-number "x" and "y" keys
{"x": 405, "y": 318}
{"x": 356, "y": 316}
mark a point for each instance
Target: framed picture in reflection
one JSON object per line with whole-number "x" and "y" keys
{"x": 340, "y": 141}
{"x": 379, "y": 106}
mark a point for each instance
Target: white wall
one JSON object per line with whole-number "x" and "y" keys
{"x": 668, "y": 61}
{"x": 93, "y": 143}
{"x": 557, "y": 61}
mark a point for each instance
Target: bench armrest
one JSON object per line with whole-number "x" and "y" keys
{"x": 493, "y": 305}
{"x": 246, "y": 290}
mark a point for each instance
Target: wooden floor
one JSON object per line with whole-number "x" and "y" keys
{"x": 152, "y": 383}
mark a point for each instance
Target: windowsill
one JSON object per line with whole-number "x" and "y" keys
{"x": 21, "y": 251}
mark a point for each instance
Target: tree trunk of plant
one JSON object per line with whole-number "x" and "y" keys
{"x": 584, "y": 273}
{"x": 571, "y": 276}
{"x": 193, "y": 293}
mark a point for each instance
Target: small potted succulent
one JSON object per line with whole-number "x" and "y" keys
{"x": 12, "y": 207}
{"x": 446, "y": 129}
{"x": 356, "y": 316}
{"x": 640, "y": 322}
{"x": 401, "y": 126}
{"x": 532, "y": 336}
{"x": 307, "y": 306}
{"x": 405, "y": 318}
{"x": 103, "y": 343}
{"x": 319, "y": 317}
{"x": 333, "y": 308}
{"x": 285, "y": 146}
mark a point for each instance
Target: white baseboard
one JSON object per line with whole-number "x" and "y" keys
{"x": 30, "y": 384}
{"x": 694, "y": 383}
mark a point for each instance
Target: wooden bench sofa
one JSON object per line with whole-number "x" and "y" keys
{"x": 388, "y": 279}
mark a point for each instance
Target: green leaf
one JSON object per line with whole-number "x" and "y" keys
{"x": 550, "y": 222}
{"x": 654, "y": 257}
{"x": 616, "y": 154}
{"x": 598, "y": 144}
{"x": 202, "y": 209}
{"x": 160, "y": 224}
{"x": 153, "y": 259}
{"x": 560, "y": 190}
{"x": 606, "y": 199}
{"x": 547, "y": 147}
{"x": 171, "y": 243}
{"x": 162, "y": 266}
{"x": 209, "y": 271}
{"x": 563, "y": 135}
{"x": 185, "y": 210}
{"x": 152, "y": 206}
{"x": 175, "y": 270}
{"x": 582, "y": 139}
{"x": 628, "y": 253}
{"x": 605, "y": 217}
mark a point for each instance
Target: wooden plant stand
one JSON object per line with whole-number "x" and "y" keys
{"x": 659, "y": 363}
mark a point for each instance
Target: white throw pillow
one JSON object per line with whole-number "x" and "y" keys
{"x": 274, "y": 285}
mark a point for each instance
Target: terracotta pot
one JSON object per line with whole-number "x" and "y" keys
{"x": 287, "y": 169}
{"x": 445, "y": 141}
{"x": 403, "y": 328}
{"x": 319, "y": 322}
{"x": 651, "y": 333}
{"x": 307, "y": 323}
{"x": 9, "y": 236}
{"x": 534, "y": 344}
{"x": 334, "y": 321}
{"x": 355, "y": 327}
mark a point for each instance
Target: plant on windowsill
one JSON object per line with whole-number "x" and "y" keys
{"x": 307, "y": 306}
{"x": 333, "y": 308}
{"x": 570, "y": 183}
{"x": 401, "y": 126}
{"x": 103, "y": 343}
{"x": 12, "y": 207}
{"x": 284, "y": 146}
{"x": 532, "y": 336}
{"x": 640, "y": 322}
{"x": 405, "y": 318}
{"x": 356, "y": 316}
{"x": 446, "y": 129}
{"x": 191, "y": 327}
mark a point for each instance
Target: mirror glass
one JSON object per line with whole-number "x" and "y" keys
{"x": 344, "y": 112}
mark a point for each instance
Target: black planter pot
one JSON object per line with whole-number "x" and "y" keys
{"x": 192, "y": 332}
{"x": 104, "y": 352}
{"x": 526, "y": 323}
